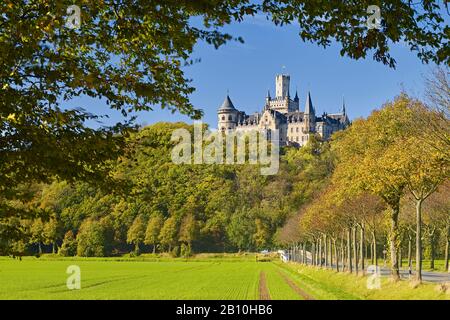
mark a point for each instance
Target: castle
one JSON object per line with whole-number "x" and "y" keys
{"x": 283, "y": 113}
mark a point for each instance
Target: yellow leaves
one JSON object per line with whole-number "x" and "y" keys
{"x": 11, "y": 117}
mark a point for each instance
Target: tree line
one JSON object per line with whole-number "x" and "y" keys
{"x": 153, "y": 205}
{"x": 389, "y": 191}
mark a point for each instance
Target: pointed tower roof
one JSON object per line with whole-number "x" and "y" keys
{"x": 227, "y": 105}
{"x": 296, "y": 96}
{"x": 268, "y": 94}
{"x": 343, "y": 106}
{"x": 309, "y": 109}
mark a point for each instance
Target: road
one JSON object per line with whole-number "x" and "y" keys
{"x": 427, "y": 276}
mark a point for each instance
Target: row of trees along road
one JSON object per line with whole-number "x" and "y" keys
{"x": 390, "y": 169}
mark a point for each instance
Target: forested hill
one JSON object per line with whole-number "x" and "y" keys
{"x": 164, "y": 206}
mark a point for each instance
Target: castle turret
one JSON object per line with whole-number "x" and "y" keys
{"x": 227, "y": 115}
{"x": 310, "y": 114}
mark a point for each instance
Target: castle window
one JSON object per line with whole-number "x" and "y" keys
{"x": 223, "y": 118}
{"x": 230, "y": 118}
{"x": 296, "y": 139}
{"x": 296, "y": 129}
{"x": 292, "y": 130}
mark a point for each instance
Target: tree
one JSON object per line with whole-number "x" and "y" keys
{"x": 51, "y": 232}
{"x": 261, "y": 236}
{"x": 94, "y": 239}
{"x": 69, "y": 245}
{"x": 168, "y": 234}
{"x": 37, "y": 234}
{"x": 438, "y": 90}
{"x": 437, "y": 219}
{"x": 153, "y": 230}
{"x": 367, "y": 162}
{"x": 436, "y": 121}
{"x": 425, "y": 171}
{"x": 136, "y": 233}
{"x": 241, "y": 229}
{"x": 188, "y": 230}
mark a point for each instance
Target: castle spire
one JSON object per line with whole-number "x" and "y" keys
{"x": 296, "y": 95}
{"x": 309, "y": 109}
{"x": 343, "y": 106}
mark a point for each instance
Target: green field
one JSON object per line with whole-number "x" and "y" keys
{"x": 213, "y": 278}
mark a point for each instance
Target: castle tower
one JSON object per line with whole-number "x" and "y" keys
{"x": 268, "y": 98}
{"x": 310, "y": 114}
{"x": 343, "y": 107}
{"x": 296, "y": 99}
{"x": 227, "y": 115}
{"x": 282, "y": 85}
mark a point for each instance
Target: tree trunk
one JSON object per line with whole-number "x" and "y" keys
{"x": 154, "y": 248}
{"x": 299, "y": 253}
{"x": 432, "y": 249}
{"x": 136, "y": 248}
{"x": 304, "y": 258}
{"x": 336, "y": 255}
{"x": 355, "y": 249}
{"x": 400, "y": 257}
{"x": 393, "y": 239}
{"x": 446, "y": 250}
{"x": 349, "y": 250}
{"x": 419, "y": 240}
{"x": 374, "y": 244}
{"x": 409, "y": 255}
{"x": 320, "y": 252}
{"x": 330, "y": 246}
{"x": 53, "y": 247}
{"x": 362, "y": 247}
{"x": 313, "y": 253}
{"x": 39, "y": 248}
{"x": 342, "y": 254}
{"x": 325, "y": 246}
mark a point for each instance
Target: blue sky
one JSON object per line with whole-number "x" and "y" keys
{"x": 248, "y": 70}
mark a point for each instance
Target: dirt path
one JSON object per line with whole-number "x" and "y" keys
{"x": 294, "y": 287}
{"x": 263, "y": 290}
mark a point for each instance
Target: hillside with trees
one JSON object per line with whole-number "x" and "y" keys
{"x": 154, "y": 205}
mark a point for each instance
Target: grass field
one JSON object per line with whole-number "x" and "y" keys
{"x": 201, "y": 278}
